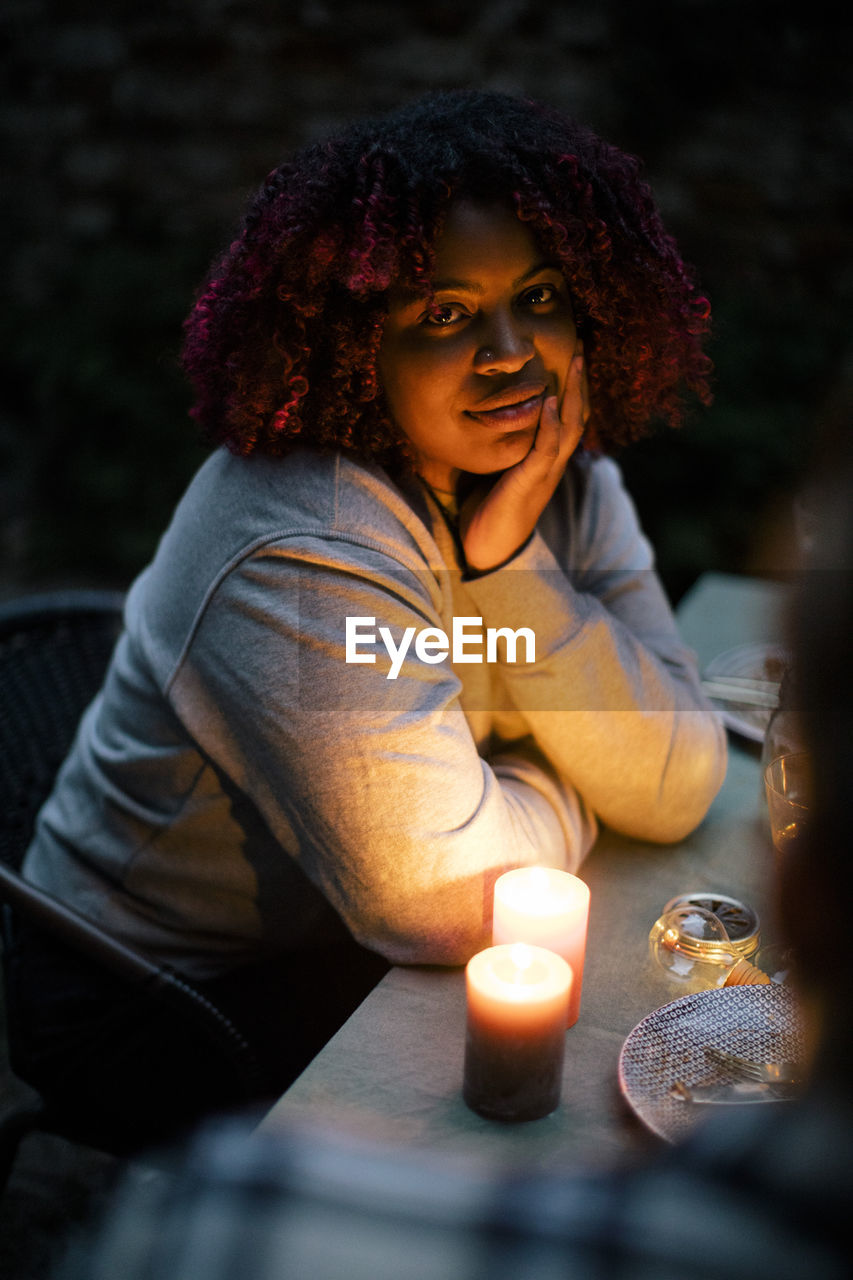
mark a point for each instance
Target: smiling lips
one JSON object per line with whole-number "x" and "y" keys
{"x": 517, "y": 406}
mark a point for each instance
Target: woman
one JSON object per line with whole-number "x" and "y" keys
{"x": 404, "y": 631}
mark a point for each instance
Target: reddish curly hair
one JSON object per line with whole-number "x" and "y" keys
{"x": 282, "y": 343}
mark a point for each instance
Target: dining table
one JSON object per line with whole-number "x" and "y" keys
{"x": 394, "y": 1070}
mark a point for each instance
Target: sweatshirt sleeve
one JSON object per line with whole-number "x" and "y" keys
{"x": 374, "y": 785}
{"x": 613, "y": 697}
{"x": 381, "y": 789}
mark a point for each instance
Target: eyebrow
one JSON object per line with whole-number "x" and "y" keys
{"x": 449, "y": 284}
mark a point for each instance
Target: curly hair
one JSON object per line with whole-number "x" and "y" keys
{"x": 281, "y": 346}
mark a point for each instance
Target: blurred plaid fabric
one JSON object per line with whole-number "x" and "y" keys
{"x": 761, "y": 1192}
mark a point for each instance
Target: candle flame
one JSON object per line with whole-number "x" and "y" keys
{"x": 521, "y": 957}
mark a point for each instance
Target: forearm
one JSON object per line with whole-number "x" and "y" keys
{"x": 375, "y": 786}
{"x": 613, "y": 698}
{"x": 407, "y": 843}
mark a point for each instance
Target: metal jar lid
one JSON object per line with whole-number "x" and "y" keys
{"x": 738, "y": 919}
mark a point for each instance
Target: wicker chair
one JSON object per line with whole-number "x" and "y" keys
{"x": 54, "y": 649}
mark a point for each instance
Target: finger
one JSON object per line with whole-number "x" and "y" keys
{"x": 587, "y": 408}
{"x": 548, "y": 439}
{"x": 555, "y": 440}
{"x": 549, "y": 416}
{"x": 574, "y": 406}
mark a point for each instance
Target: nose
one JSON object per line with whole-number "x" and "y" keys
{"x": 506, "y": 347}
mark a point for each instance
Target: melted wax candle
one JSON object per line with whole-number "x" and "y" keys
{"x": 546, "y": 908}
{"x": 518, "y": 998}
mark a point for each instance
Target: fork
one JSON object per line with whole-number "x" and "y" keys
{"x": 757, "y": 693}
{"x": 763, "y": 1072}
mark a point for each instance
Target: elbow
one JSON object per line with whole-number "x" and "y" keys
{"x": 675, "y": 825}
{"x": 689, "y": 785}
{"x": 428, "y": 945}
{"x": 437, "y": 927}
{"x": 669, "y": 803}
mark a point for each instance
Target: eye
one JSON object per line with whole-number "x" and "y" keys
{"x": 540, "y": 295}
{"x": 442, "y": 315}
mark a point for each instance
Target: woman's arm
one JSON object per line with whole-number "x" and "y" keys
{"x": 613, "y": 698}
{"x": 375, "y": 786}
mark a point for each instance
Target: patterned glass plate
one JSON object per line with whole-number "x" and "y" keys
{"x": 759, "y": 1022}
{"x": 753, "y": 662}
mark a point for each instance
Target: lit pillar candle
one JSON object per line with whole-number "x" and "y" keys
{"x": 517, "y": 998}
{"x": 547, "y": 908}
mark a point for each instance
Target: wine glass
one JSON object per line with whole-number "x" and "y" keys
{"x": 787, "y": 782}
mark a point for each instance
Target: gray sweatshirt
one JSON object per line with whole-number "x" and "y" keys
{"x": 314, "y": 723}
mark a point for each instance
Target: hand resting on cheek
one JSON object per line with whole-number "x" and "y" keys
{"x": 496, "y": 520}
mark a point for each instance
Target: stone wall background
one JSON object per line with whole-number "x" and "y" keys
{"x": 133, "y": 132}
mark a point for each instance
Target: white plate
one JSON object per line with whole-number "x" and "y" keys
{"x": 755, "y": 662}
{"x": 760, "y": 1022}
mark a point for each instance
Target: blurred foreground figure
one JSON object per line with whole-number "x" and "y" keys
{"x": 766, "y": 1193}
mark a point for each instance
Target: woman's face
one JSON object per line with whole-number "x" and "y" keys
{"x": 465, "y": 374}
